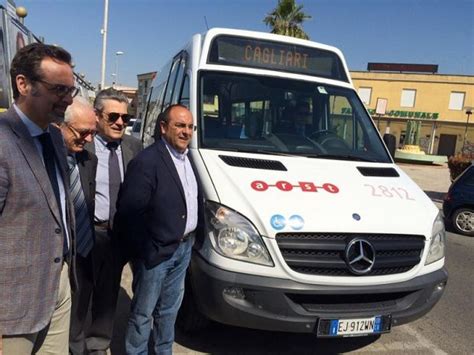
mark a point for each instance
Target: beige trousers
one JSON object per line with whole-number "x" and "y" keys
{"x": 52, "y": 340}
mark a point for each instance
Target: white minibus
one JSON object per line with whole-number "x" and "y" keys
{"x": 310, "y": 226}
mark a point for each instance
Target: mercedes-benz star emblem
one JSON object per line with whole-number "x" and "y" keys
{"x": 360, "y": 256}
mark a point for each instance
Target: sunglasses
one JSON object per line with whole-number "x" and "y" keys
{"x": 81, "y": 133}
{"x": 60, "y": 90}
{"x": 114, "y": 116}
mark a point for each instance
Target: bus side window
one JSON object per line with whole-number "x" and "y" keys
{"x": 161, "y": 86}
{"x": 171, "y": 83}
{"x": 184, "y": 96}
{"x": 155, "y": 103}
{"x": 179, "y": 80}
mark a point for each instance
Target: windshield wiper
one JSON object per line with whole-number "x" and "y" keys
{"x": 272, "y": 152}
{"x": 229, "y": 149}
{"x": 259, "y": 151}
{"x": 341, "y": 157}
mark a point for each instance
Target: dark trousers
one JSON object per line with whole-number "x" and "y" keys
{"x": 106, "y": 263}
{"x": 80, "y": 304}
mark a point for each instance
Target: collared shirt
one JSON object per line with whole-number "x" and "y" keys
{"x": 36, "y": 131}
{"x": 102, "y": 178}
{"x": 189, "y": 183}
{"x": 71, "y": 160}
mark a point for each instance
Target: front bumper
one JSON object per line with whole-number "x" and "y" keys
{"x": 284, "y": 305}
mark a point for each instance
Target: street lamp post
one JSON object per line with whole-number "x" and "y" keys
{"x": 468, "y": 113}
{"x": 21, "y": 13}
{"x": 117, "y": 54}
{"x": 104, "y": 43}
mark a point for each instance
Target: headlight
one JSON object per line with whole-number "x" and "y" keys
{"x": 438, "y": 241}
{"x": 235, "y": 236}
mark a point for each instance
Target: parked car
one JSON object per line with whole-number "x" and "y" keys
{"x": 136, "y": 128}
{"x": 128, "y": 129}
{"x": 458, "y": 205}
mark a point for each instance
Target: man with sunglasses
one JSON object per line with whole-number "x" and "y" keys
{"x": 37, "y": 234}
{"x": 113, "y": 150}
{"x": 78, "y": 129}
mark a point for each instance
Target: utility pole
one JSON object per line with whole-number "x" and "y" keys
{"x": 117, "y": 54}
{"x": 104, "y": 42}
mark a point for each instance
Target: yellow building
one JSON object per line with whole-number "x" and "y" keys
{"x": 417, "y": 94}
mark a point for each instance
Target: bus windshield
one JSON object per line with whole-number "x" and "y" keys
{"x": 261, "y": 114}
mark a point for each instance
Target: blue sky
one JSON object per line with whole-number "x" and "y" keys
{"x": 150, "y": 31}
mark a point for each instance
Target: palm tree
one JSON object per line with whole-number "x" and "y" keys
{"x": 287, "y": 18}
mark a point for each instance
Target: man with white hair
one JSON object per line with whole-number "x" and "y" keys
{"x": 79, "y": 128}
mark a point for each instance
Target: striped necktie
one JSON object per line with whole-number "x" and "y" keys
{"x": 84, "y": 237}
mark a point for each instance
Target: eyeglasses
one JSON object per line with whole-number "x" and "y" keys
{"x": 60, "y": 90}
{"x": 114, "y": 116}
{"x": 81, "y": 133}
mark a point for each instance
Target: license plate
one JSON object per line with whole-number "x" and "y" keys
{"x": 354, "y": 327}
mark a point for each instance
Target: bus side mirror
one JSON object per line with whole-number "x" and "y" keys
{"x": 391, "y": 142}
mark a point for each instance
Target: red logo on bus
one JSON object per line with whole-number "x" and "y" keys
{"x": 259, "y": 185}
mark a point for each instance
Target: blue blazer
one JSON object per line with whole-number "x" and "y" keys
{"x": 151, "y": 207}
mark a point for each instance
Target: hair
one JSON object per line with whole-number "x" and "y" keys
{"x": 78, "y": 104}
{"x": 165, "y": 115}
{"x": 109, "y": 94}
{"x": 157, "y": 131}
{"x": 27, "y": 62}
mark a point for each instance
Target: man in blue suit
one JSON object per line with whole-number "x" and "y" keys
{"x": 157, "y": 213}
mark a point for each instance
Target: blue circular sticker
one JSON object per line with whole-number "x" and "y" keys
{"x": 296, "y": 222}
{"x": 278, "y": 222}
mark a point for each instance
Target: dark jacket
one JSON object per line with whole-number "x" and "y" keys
{"x": 87, "y": 164}
{"x": 151, "y": 209}
{"x": 130, "y": 147}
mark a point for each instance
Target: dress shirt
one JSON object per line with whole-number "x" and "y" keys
{"x": 102, "y": 210}
{"x": 36, "y": 131}
{"x": 189, "y": 183}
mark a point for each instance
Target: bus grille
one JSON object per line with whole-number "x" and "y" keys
{"x": 324, "y": 253}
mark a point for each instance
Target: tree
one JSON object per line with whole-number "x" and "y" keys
{"x": 287, "y": 18}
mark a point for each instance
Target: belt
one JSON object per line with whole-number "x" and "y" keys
{"x": 102, "y": 225}
{"x": 186, "y": 237}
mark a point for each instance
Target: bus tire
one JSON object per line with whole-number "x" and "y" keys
{"x": 190, "y": 320}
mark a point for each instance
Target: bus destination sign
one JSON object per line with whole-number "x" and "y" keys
{"x": 255, "y": 53}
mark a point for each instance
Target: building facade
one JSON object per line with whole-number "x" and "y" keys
{"x": 436, "y": 104}
{"x": 144, "y": 85}
{"x": 131, "y": 94}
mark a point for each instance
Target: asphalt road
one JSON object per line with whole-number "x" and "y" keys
{"x": 447, "y": 329}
